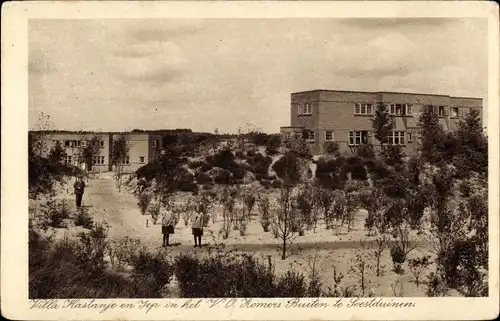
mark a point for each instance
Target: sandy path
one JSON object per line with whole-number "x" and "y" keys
{"x": 118, "y": 209}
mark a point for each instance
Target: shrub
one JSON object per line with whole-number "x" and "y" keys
{"x": 149, "y": 171}
{"x": 365, "y": 151}
{"x": 258, "y": 138}
{"x": 207, "y": 165}
{"x": 153, "y": 271}
{"x": 83, "y": 218}
{"x": 154, "y": 211}
{"x": 144, "y": 201}
{"x": 221, "y": 176}
{"x": 273, "y": 144}
{"x": 264, "y": 209}
{"x": 195, "y": 164}
{"x": 398, "y": 257}
{"x": 55, "y": 213}
{"x": 202, "y": 178}
{"x": 208, "y": 186}
{"x": 55, "y": 271}
{"x": 277, "y": 183}
{"x": 288, "y": 168}
{"x": 292, "y": 284}
{"x": 331, "y": 148}
{"x": 223, "y": 159}
{"x": 393, "y": 155}
{"x": 187, "y": 186}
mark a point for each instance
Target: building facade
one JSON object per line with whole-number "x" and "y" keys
{"x": 345, "y": 117}
{"x": 140, "y": 147}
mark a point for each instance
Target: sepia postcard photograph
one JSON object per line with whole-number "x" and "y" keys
{"x": 250, "y": 160}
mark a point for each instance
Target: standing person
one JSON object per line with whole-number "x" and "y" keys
{"x": 79, "y": 187}
{"x": 167, "y": 226}
{"x": 197, "y": 227}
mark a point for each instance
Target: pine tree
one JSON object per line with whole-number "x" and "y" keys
{"x": 382, "y": 124}
{"x": 472, "y": 145}
{"x": 432, "y": 136}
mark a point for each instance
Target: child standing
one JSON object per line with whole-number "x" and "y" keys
{"x": 167, "y": 226}
{"x": 197, "y": 227}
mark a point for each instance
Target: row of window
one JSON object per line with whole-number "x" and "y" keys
{"x": 75, "y": 143}
{"x": 361, "y": 137}
{"x": 369, "y": 109}
{"x": 99, "y": 160}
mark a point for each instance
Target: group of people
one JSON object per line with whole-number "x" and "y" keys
{"x": 168, "y": 227}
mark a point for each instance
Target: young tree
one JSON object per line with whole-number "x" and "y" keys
{"x": 304, "y": 205}
{"x": 472, "y": 150}
{"x": 264, "y": 205}
{"x": 418, "y": 266}
{"x": 119, "y": 155}
{"x": 432, "y": 136}
{"x": 90, "y": 151}
{"x": 382, "y": 124}
{"x": 283, "y": 221}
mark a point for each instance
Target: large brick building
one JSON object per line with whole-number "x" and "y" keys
{"x": 143, "y": 147}
{"x": 346, "y": 116}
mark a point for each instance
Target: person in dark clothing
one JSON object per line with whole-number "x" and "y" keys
{"x": 79, "y": 187}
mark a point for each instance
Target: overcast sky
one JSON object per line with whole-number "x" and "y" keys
{"x": 115, "y": 75}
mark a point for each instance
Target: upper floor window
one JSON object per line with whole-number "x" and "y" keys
{"x": 397, "y": 138}
{"x": 307, "y": 110}
{"x": 141, "y": 159}
{"x": 329, "y": 135}
{"x": 299, "y": 110}
{"x": 363, "y": 109}
{"x": 400, "y": 109}
{"x": 154, "y": 143}
{"x": 68, "y": 159}
{"x": 309, "y": 135}
{"x": 454, "y": 111}
{"x": 67, "y": 143}
{"x": 101, "y": 143}
{"x": 358, "y": 137}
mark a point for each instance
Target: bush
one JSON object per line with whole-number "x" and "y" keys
{"x": 149, "y": 171}
{"x": 55, "y": 213}
{"x": 223, "y": 159}
{"x": 273, "y": 144}
{"x": 203, "y": 178}
{"x": 144, "y": 200}
{"x": 365, "y": 151}
{"x": 55, "y": 271}
{"x": 398, "y": 257}
{"x": 288, "y": 167}
{"x": 154, "y": 211}
{"x": 187, "y": 186}
{"x": 83, "y": 218}
{"x": 259, "y": 164}
{"x": 153, "y": 271}
{"x": 257, "y": 138}
{"x": 195, "y": 164}
{"x": 292, "y": 284}
{"x": 206, "y": 166}
{"x": 331, "y": 148}
{"x": 221, "y": 176}
{"x": 231, "y": 275}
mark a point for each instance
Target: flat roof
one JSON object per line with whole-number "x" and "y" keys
{"x": 383, "y": 92}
